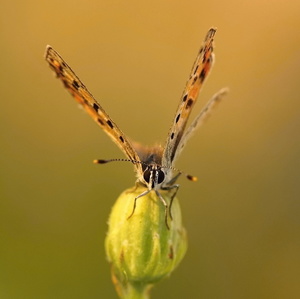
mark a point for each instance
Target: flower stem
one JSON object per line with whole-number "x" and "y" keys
{"x": 134, "y": 290}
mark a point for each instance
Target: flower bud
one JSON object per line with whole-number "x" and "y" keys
{"x": 142, "y": 249}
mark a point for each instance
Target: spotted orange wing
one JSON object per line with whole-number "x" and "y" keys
{"x": 91, "y": 106}
{"x": 200, "y": 70}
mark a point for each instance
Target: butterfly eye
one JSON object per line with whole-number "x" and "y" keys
{"x": 161, "y": 176}
{"x": 146, "y": 175}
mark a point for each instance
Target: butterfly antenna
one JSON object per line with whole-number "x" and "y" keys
{"x": 191, "y": 177}
{"x": 102, "y": 161}
{"x": 188, "y": 176}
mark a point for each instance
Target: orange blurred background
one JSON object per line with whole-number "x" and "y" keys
{"x": 243, "y": 214}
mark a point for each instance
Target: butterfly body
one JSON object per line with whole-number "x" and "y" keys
{"x": 154, "y": 165}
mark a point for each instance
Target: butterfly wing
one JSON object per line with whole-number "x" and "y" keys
{"x": 200, "y": 70}
{"x": 200, "y": 119}
{"x": 90, "y": 105}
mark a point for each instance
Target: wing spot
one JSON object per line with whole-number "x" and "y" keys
{"x": 177, "y": 118}
{"x": 172, "y": 135}
{"x": 75, "y": 84}
{"x": 110, "y": 124}
{"x": 195, "y": 79}
{"x": 66, "y": 83}
{"x": 189, "y": 103}
{"x": 184, "y": 98}
{"x": 96, "y": 107}
{"x": 121, "y": 138}
{"x": 202, "y": 75}
{"x": 100, "y": 121}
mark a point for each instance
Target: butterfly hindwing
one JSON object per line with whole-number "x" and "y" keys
{"x": 200, "y": 119}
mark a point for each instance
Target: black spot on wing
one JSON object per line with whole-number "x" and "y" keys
{"x": 66, "y": 83}
{"x": 110, "y": 124}
{"x": 202, "y": 75}
{"x": 189, "y": 103}
{"x": 172, "y": 135}
{"x": 177, "y": 118}
{"x": 207, "y": 57}
{"x": 121, "y": 138}
{"x": 100, "y": 121}
{"x": 75, "y": 84}
{"x": 96, "y": 107}
{"x": 184, "y": 98}
{"x": 195, "y": 79}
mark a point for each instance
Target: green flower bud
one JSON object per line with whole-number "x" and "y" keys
{"x": 141, "y": 249}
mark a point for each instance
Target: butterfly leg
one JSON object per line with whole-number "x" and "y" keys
{"x": 176, "y": 186}
{"x": 134, "y": 205}
{"x": 173, "y": 180}
{"x": 166, "y": 207}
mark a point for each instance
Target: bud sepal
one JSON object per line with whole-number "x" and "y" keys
{"x": 141, "y": 249}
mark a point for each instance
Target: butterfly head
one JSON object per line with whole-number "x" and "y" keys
{"x": 153, "y": 176}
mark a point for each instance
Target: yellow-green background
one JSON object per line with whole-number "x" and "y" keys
{"x": 242, "y": 216}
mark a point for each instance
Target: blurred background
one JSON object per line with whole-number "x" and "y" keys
{"x": 243, "y": 214}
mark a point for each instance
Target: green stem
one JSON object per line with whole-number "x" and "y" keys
{"x": 136, "y": 291}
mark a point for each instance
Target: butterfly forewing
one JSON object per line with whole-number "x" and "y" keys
{"x": 86, "y": 99}
{"x": 200, "y": 70}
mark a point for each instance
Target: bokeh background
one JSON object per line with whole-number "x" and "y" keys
{"x": 242, "y": 216}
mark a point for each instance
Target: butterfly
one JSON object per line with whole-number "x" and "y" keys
{"x": 154, "y": 166}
